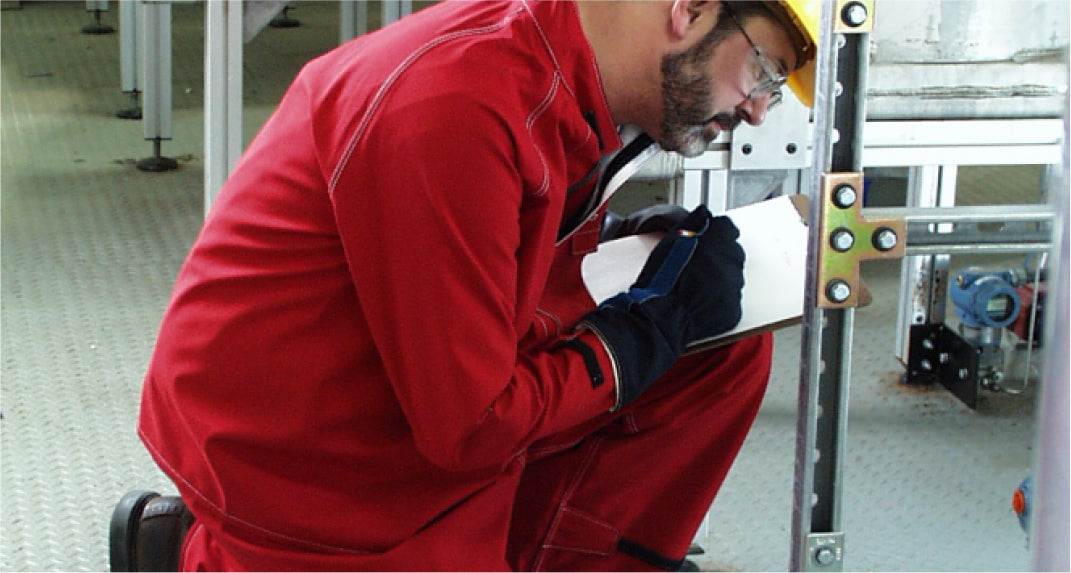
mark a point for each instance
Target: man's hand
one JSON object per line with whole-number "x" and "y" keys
{"x": 688, "y": 290}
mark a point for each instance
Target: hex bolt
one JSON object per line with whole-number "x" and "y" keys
{"x": 927, "y": 343}
{"x": 943, "y": 358}
{"x": 842, "y": 239}
{"x": 925, "y": 364}
{"x": 964, "y": 373}
{"x": 825, "y": 556}
{"x": 884, "y": 239}
{"x": 844, "y": 196}
{"x": 854, "y": 14}
{"x": 838, "y": 290}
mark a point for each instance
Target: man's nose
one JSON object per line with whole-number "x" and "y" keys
{"x": 753, "y": 110}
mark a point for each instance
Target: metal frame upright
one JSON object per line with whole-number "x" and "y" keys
{"x": 842, "y": 234}
{"x": 836, "y": 163}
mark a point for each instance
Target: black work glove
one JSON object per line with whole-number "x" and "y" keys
{"x": 689, "y": 290}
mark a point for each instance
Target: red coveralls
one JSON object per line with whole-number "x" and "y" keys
{"x": 357, "y": 369}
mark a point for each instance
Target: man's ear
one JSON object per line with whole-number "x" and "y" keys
{"x": 684, "y": 14}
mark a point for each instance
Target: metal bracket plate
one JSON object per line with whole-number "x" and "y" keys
{"x": 825, "y": 551}
{"x": 938, "y": 353}
{"x": 850, "y": 238}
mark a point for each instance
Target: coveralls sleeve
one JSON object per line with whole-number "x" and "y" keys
{"x": 429, "y": 204}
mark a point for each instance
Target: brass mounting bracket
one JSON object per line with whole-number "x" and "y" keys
{"x": 848, "y": 239}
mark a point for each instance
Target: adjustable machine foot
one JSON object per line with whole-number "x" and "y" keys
{"x": 283, "y": 20}
{"x": 97, "y": 27}
{"x": 132, "y": 112}
{"x": 157, "y": 162}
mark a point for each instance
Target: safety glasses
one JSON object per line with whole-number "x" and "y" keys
{"x": 769, "y": 79}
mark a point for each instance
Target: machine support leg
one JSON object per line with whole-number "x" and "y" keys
{"x": 223, "y": 93}
{"x": 156, "y": 124}
{"x": 129, "y": 57}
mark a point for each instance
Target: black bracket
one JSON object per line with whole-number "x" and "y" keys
{"x": 939, "y": 354}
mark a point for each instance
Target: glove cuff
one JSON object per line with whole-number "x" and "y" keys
{"x": 614, "y": 364}
{"x": 638, "y": 351}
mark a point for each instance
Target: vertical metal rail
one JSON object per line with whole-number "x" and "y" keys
{"x": 839, "y": 115}
{"x": 1049, "y": 522}
{"x": 223, "y": 93}
{"x": 924, "y": 278}
{"x": 129, "y": 57}
{"x": 353, "y": 20}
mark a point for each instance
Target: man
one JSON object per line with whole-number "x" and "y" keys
{"x": 380, "y": 353}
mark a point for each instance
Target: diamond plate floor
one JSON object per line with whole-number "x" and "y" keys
{"x": 91, "y": 247}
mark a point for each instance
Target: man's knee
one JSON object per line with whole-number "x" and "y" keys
{"x": 727, "y": 382}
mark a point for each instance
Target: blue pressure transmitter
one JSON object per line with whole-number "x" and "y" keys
{"x": 985, "y": 298}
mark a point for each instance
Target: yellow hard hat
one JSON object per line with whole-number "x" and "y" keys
{"x": 800, "y": 19}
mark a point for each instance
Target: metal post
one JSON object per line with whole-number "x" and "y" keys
{"x": 129, "y": 56}
{"x": 923, "y": 279}
{"x": 817, "y": 539}
{"x": 1049, "y": 521}
{"x": 394, "y": 10}
{"x": 156, "y": 69}
{"x": 223, "y": 93}
{"x": 353, "y": 19}
{"x": 708, "y": 187}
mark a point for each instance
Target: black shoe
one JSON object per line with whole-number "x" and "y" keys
{"x": 688, "y": 565}
{"x": 147, "y": 532}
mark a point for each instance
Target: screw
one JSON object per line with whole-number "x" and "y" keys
{"x": 844, "y": 196}
{"x": 943, "y": 358}
{"x": 964, "y": 373}
{"x": 825, "y": 556}
{"x": 838, "y": 290}
{"x": 884, "y": 239}
{"x": 854, "y": 14}
{"x": 841, "y": 240}
{"x": 925, "y": 364}
{"x": 927, "y": 343}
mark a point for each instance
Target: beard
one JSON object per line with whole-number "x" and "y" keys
{"x": 687, "y": 90}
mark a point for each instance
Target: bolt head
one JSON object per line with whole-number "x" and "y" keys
{"x": 854, "y": 14}
{"x": 838, "y": 290}
{"x": 845, "y": 196}
{"x": 842, "y": 240}
{"x": 884, "y": 239}
{"x": 825, "y": 556}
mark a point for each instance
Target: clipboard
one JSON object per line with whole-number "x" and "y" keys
{"x": 773, "y": 234}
